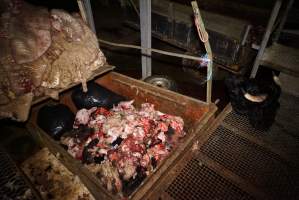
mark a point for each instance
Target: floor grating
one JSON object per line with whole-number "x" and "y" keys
{"x": 250, "y": 161}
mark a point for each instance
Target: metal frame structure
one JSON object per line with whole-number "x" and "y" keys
{"x": 283, "y": 20}
{"x": 86, "y": 13}
{"x": 145, "y": 30}
{"x": 269, "y": 29}
{"x": 146, "y": 35}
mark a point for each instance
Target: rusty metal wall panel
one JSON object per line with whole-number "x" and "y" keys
{"x": 196, "y": 115}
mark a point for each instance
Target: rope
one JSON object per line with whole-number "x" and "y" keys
{"x": 203, "y": 59}
{"x": 203, "y": 35}
{"x": 154, "y": 50}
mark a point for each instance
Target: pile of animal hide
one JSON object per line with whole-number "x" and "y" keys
{"x": 256, "y": 99}
{"x": 41, "y": 53}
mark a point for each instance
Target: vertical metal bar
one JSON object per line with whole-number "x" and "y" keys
{"x": 209, "y": 82}
{"x": 82, "y": 10}
{"x": 245, "y": 36}
{"x": 89, "y": 15}
{"x": 146, "y": 36}
{"x": 266, "y": 37}
{"x": 283, "y": 20}
{"x": 171, "y": 18}
{"x": 201, "y": 30}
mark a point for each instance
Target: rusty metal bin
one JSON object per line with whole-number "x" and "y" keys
{"x": 196, "y": 114}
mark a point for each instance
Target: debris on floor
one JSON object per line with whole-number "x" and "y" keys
{"x": 52, "y": 179}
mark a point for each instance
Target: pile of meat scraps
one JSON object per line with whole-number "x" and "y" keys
{"x": 41, "y": 53}
{"x": 124, "y": 144}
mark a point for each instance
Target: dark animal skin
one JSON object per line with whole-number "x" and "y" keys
{"x": 86, "y": 155}
{"x": 97, "y": 96}
{"x": 133, "y": 183}
{"x": 55, "y": 120}
{"x": 117, "y": 142}
{"x": 261, "y": 115}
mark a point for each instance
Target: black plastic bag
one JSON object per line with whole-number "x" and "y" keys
{"x": 55, "y": 120}
{"x": 96, "y": 96}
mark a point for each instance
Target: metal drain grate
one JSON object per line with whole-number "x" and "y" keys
{"x": 12, "y": 184}
{"x": 197, "y": 181}
{"x": 280, "y": 136}
{"x": 252, "y": 162}
{"x": 241, "y": 122}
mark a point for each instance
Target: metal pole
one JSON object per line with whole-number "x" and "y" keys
{"x": 89, "y": 15}
{"x": 245, "y": 36}
{"x": 204, "y": 37}
{"x": 283, "y": 20}
{"x": 295, "y": 32}
{"x": 266, "y": 37}
{"x": 82, "y": 10}
{"x": 146, "y": 36}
